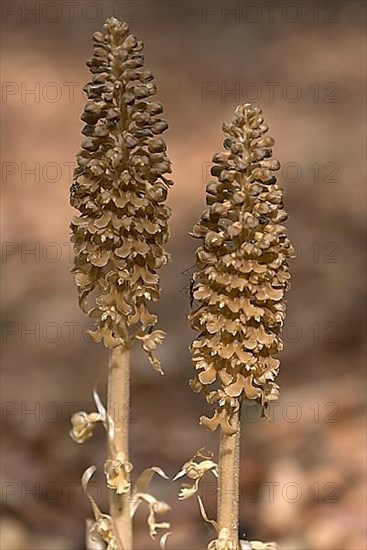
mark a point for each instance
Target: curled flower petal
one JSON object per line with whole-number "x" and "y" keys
{"x": 155, "y": 507}
{"x": 102, "y": 530}
{"x": 99, "y": 405}
{"x": 92, "y": 544}
{"x": 163, "y": 540}
{"x": 83, "y": 425}
{"x": 208, "y": 376}
{"x": 86, "y": 477}
{"x": 195, "y": 470}
{"x": 117, "y": 470}
{"x": 204, "y": 515}
{"x": 188, "y": 491}
{"x": 251, "y": 391}
{"x": 211, "y": 423}
{"x": 235, "y": 389}
{"x": 150, "y": 342}
{"x": 142, "y": 485}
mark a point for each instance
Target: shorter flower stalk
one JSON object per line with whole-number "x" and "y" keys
{"x": 241, "y": 276}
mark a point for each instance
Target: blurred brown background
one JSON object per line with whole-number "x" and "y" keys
{"x": 303, "y": 473}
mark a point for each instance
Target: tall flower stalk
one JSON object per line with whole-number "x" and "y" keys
{"x": 119, "y": 189}
{"x": 238, "y": 287}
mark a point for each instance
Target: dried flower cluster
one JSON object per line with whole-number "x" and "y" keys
{"x": 196, "y": 470}
{"x": 119, "y": 189}
{"x": 242, "y": 272}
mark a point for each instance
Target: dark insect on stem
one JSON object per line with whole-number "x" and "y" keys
{"x": 74, "y": 188}
{"x": 191, "y": 290}
{"x": 263, "y": 220}
{"x": 189, "y": 287}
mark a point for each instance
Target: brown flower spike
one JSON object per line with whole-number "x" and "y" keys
{"x": 242, "y": 273}
{"x": 119, "y": 189}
